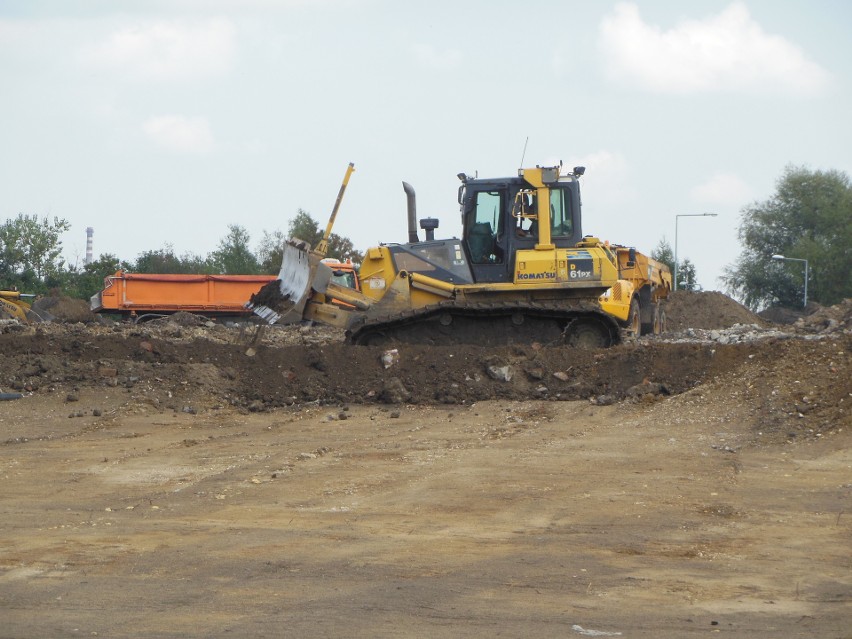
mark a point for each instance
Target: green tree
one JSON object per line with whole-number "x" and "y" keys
{"x": 83, "y": 282}
{"x": 270, "y": 252}
{"x": 234, "y": 257}
{"x": 161, "y": 260}
{"x": 686, "y": 276}
{"x": 165, "y": 260}
{"x": 305, "y": 227}
{"x": 808, "y": 217}
{"x": 685, "y": 271}
{"x": 663, "y": 253}
{"x": 31, "y": 250}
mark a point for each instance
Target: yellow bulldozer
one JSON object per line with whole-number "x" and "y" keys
{"x": 13, "y": 305}
{"x": 522, "y": 272}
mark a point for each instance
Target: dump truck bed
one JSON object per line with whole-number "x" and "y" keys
{"x": 142, "y": 293}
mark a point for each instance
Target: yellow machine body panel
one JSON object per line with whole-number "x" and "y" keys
{"x": 580, "y": 267}
{"x": 616, "y": 300}
{"x": 12, "y": 304}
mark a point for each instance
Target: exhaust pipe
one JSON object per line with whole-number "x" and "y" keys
{"x": 412, "y": 212}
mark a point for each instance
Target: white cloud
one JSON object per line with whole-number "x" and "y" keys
{"x": 607, "y": 179}
{"x": 725, "y": 189}
{"x": 605, "y": 163}
{"x": 167, "y": 50}
{"x": 430, "y": 58}
{"x": 180, "y": 133}
{"x": 726, "y": 52}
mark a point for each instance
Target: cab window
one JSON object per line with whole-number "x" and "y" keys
{"x": 344, "y": 278}
{"x": 484, "y": 226}
{"x": 560, "y": 213}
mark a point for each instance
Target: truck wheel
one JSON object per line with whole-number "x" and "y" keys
{"x": 633, "y": 326}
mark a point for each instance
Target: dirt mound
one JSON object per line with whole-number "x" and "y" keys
{"x": 64, "y": 309}
{"x": 781, "y": 315}
{"x": 707, "y": 310}
{"x": 168, "y": 366}
{"x": 786, "y": 390}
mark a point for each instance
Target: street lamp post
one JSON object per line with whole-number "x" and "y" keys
{"x": 796, "y": 259}
{"x": 676, "y": 221}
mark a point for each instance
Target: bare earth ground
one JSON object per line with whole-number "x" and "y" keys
{"x": 174, "y": 480}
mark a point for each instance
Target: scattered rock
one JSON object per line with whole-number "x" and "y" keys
{"x": 500, "y": 373}
{"x": 389, "y": 358}
{"x": 394, "y": 392}
{"x": 536, "y": 373}
{"x": 256, "y": 406}
{"x": 647, "y": 388}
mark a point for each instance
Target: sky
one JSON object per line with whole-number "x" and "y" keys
{"x": 160, "y": 123}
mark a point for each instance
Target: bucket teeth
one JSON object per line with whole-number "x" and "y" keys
{"x": 265, "y": 313}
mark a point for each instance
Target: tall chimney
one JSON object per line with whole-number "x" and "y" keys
{"x": 89, "y": 233}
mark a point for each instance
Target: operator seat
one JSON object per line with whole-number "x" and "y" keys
{"x": 480, "y": 242}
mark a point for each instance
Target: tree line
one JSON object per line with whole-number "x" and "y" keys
{"x": 31, "y": 256}
{"x": 808, "y": 218}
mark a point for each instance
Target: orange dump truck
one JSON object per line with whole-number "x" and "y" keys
{"x": 138, "y": 294}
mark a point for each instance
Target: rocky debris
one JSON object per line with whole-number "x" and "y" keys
{"x": 827, "y": 319}
{"x": 182, "y": 318}
{"x": 11, "y": 325}
{"x": 736, "y": 334}
{"x": 823, "y": 322}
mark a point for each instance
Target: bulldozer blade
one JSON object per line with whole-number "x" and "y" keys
{"x": 295, "y": 273}
{"x": 286, "y": 296}
{"x": 283, "y": 300}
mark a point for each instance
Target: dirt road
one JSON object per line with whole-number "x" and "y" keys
{"x": 147, "y": 495}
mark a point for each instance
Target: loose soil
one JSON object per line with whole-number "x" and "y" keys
{"x": 184, "y": 478}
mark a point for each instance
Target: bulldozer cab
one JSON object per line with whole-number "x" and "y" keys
{"x": 501, "y": 216}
